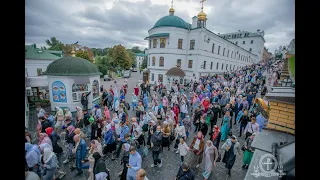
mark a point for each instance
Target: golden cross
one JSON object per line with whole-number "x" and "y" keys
{"x": 172, "y": 3}
{"x": 202, "y": 1}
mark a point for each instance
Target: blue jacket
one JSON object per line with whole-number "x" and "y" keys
{"x": 135, "y": 163}
{"x": 108, "y": 137}
{"x": 81, "y": 150}
{"x": 124, "y": 131}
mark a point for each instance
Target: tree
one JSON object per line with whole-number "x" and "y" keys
{"x": 144, "y": 63}
{"x": 132, "y": 56}
{"x": 120, "y": 57}
{"x": 83, "y": 54}
{"x": 136, "y": 49}
{"x": 43, "y": 48}
{"x": 104, "y": 64}
{"x": 54, "y": 44}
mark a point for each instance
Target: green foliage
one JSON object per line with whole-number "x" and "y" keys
{"x": 120, "y": 57}
{"x": 292, "y": 65}
{"x": 136, "y": 49}
{"x": 83, "y": 55}
{"x": 144, "y": 63}
{"x": 132, "y": 56}
{"x": 55, "y": 45}
{"x": 104, "y": 64}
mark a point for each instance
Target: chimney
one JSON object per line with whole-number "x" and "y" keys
{"x": 194, "y": 22}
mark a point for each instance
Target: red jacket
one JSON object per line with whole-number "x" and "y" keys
{"x": 136, "y": 91}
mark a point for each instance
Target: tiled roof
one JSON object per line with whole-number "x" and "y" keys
{"x": 31, "y": 52}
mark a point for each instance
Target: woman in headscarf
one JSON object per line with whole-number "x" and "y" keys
{"x": 125, "y": 160}
{"x": 95, "y": 146}
{"x": 115, "y": 125}
{"x": 225, "y": 128}
{"x": 145, "y": 101}
{"x": 33, "y": 157}
{"x": 155, "y": 108}
{"x": 165, "y": 103}
{"x": 248, "y": 153}
{"x": 79, "y": 117}
{"x": 116, "y": 104}
{"x": 70, "y": 141}
{"x": 107, "y": 113}
{"x": 187, "y": 124}
{"x": 59, "y": 117}
{"x": 210, "y": 157}
{"x": 67, "y": 113}
{"x": 145, "y": 123}
{"x": 197, "y": 148}
{"x": 206, "y": 103}
{"x": 109, "y": 140}
{"x": 140, "y": 138}
{"x": 44, "y": 138}
{"x": 180, "y": 132}
{"x": 50, "y": 163}
{"x": 134, "y": 101}
{"x": 232, "y": 148}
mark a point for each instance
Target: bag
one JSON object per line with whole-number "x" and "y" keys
{"x": 219, "y": 157}
{"x": 57, "y": 149}
{"x": 172, "y": 137}
{"x": 243, "y": 148}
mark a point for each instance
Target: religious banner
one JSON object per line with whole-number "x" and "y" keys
{"x": 59, "y": 92}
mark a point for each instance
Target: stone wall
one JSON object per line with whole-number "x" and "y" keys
{"x": 282, "y": 116}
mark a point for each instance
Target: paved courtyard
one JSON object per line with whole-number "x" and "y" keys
{"x": 171, "y": 161}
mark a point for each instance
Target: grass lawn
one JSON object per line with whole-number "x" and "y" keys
{"x": 292, "y": 66}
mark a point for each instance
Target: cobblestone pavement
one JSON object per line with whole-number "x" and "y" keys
{"x": 171, "y": 161}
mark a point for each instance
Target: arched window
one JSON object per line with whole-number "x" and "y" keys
{"x": 239, "y": 57}
{"x": 218, "y": 49}
{"x": 153, "y": 61}
{"x": 161, "y": 62}
{"x": 213, "y": 48}
{"x": 78, "y": 90}
{"x": 223, "y": 51}
{"x": 231, "y": 53}
{"x": 228, "y": 53}
{"x": 95, "y": 89}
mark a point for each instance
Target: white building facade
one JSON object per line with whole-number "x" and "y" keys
{"x": 250, "y": 41}
{"x": 139, "y": 59}
{"x": 193, "y": 48}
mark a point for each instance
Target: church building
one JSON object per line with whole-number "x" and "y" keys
{"x": 192, "y": 49}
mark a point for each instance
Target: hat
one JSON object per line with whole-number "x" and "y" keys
{"x": 234, "y": 137}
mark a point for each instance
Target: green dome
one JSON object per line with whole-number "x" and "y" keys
{"x": 172, "y": 21}
{"x": 72, "y": 66}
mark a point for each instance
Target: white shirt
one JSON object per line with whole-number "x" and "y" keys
{"x": 184, "y": 108}
{"x": 196, "y": 144}
{"x": 183, "y": 149}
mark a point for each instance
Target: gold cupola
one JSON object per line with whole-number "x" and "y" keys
{"x": 202, "y": 16}
{"x": 171, "y": 10}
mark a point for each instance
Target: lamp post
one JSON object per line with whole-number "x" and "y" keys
{"x": 287, "y": 82}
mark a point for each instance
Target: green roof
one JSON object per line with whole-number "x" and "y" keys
{"x": 172, "y": 21}
{"x": 158, "y": 35}
{"x": 72, "y": 66}
{"x": 31, "y": 52}
{"x": 141, "y": 54}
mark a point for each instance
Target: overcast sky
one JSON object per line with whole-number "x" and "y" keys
{"x": 105, "y": 23}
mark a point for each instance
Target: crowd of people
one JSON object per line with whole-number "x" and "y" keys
{"x": 171, "y": 116}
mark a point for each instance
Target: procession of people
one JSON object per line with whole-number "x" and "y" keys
{"x": 166, "y": 116}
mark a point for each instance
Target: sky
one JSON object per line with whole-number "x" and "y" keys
{"x": 105, "y": 23}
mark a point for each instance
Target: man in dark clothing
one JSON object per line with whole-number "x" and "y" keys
{"x": 156, "y": 140}
{"x": 216, "y": 109}
{"x": 148, "y": 89}
{"x": 84, "y": 100}
{"x": 250, "y": 97}
{"x": 185, "y": 173}
{"x": 86, "y": 123}
{"x": 44, "y": 124}
{"x": 237, "y": 108}
{"x": 108, "y": 100}
{"x": 196, "y": 121}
